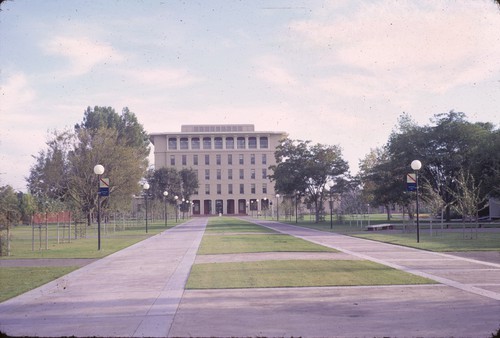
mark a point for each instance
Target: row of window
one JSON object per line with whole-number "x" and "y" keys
{"x": 208, "y": 142}
{"x": 241, "y": 174}
{"x": 218, "y": 159}
{"x": 230, "y": 189}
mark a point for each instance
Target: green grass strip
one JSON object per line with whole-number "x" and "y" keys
{"x": 233, "y": 225}
{"x": 15, "y": 281}
{"x": 297, "y": 273}
{"x": 443, "y": 242}
{"x": 227, "y": 244}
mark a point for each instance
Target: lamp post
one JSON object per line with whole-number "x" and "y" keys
{"x": 165, "y": 194}
{"x": 176, "y": 216}
{"x": 296, "y": 207}
{"x": 278, "y": 207}
{"x": 416, "y": 165}
{"x": 98, "y": 170}
{"x": 146, "y": 188}
{"x": 330, "y": 192}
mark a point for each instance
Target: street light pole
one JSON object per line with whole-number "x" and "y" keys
{"x": 98, "y": 170}
{"x": 416, "y": 165}
{"x": 176, "y": 216}
{"x": 165, "y": 194}
{"x": 330, "y": 185}
{"x": 278, "y": 207}
{"x": 146, "y": 187}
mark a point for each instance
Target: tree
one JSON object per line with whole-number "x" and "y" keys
{"x": 65, "y": 171}
{"x": 306, "y": 169}
{"x": 9, "y": 214}
{"x": 445, "y": 147}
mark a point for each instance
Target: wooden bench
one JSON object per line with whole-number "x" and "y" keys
{"x": 376, "y": 227}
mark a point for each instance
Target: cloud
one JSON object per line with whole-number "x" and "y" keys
{"x": 272, "y": 70}
{"x": 164, "y": 77}
{"x": 82, "y": 53}
{"x": 16, "y": 92}
{"x": 429, "y": 46}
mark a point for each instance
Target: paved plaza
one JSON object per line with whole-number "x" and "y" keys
{"x": 139, "y": 292}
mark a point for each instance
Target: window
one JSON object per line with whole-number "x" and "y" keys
{"x": 172, "y": 143}
{"x": 252, "y": 174}
{"x": 242, "y": 188}
{"x": 241, "y": 159}
{"x": 264, "y": 158}
{"x": 264, "y": 174}
{"x": 207, "y": 189}
{"x": 219, "y": 189}
{"x": 264, "y": 188}
{"x": 218, "y": 142}
{"x": 172, "y": 159}
{"x": 252, "y": 188}
{"x": 207, "y": 143}
{"x": 218, "y": 159}
{"x": 252, "y": 143}
{"x": 195, "y": 159}
{"x": 184, "y": 159}
{"x": 229, "y": 143}
{"x": 219, "y": 174}
{"x": 242, "y": 174}
{"x": 252, "y": 158}
{"x": 230, "y": 174}
{"x": 207, "y": 174}
{"x": 264, "y": 143}
{"x": 240, "y": 143}
{"x": 230, "y": 188}
{"x": 207, "y": 159}
{"x": 229, "y": 159}
{"x": 195, "y": 143}
{"x": 184, "y": 143}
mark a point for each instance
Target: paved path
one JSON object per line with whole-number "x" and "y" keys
{"x": 482, "y": 278}
{"x": 139, "y": 291}
{"x": 134, "y": 292}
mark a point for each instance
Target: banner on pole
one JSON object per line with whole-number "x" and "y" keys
{"x": 411, "y": 182}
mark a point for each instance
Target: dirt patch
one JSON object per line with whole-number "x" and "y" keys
{"x": 272, "y": 256}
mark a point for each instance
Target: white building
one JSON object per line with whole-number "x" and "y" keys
{"x": 232, "y": 163}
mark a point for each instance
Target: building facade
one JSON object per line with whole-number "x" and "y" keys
{"x": 232, "y": 163}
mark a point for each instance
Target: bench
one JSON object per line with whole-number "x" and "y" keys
{"x": 376, "y": 227}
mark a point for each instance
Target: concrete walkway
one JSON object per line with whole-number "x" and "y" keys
{"x": 139, "y": 291}
{"x": 482, "y": 278}
{"x": 134, "y": 292}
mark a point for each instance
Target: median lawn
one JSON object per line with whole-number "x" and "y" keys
{"x": 230, "y": 236}
{"x": 297, "y": 273}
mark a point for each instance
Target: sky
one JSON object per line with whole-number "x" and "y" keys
{"x": 334, "y": 72}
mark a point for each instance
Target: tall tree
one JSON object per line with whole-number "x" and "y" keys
{"x": 306, "y": 169}
{"x": 65, "y": 170}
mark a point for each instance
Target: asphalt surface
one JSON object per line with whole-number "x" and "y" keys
{"x": 139, "y": 292}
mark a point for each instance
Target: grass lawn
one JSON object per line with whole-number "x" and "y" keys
{"x": 447, "y": 241}
{"x": 226, "y": 235}
{"x": 233, "y": 225}
{"x": 227, "y": 244}
{"x": 15, "y": 281}
{"x": 297, "y": 273}
{"x": 111, "y": 241}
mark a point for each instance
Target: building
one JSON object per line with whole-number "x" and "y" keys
{"x": 232, "y": 163}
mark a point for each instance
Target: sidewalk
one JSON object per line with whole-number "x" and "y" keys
{"x": 465, "y": 305}
{"x": 134, "y": 292}
{"x": 139, "y": 291}
{"x": 479, "y": 277}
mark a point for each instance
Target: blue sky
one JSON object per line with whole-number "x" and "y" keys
{"x": 334, "y": 72}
